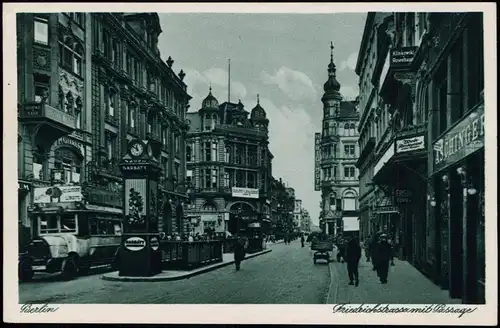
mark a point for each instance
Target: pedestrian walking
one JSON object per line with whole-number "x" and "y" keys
{"x": 373, "y": 251}
{"x": 240, "y": 249}
{"x": 383, "y": 258}
{"x": 366, "y": 246}
{"x": 352, "y": 257}
{"x": 302, "y": 240}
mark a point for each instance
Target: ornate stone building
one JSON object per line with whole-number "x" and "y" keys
{"x": 88, "y": 83}
{"x": 339, "y": 153}
{"x": 54, "y": 101}
{"x": 229, "y": 167}
{"x": 137, "y": 95}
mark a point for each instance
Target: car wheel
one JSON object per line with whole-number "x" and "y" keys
{"x": 69, "y": 269}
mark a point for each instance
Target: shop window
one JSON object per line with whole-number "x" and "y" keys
{"x": 41, "y": 28}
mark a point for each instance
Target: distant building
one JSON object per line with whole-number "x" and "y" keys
{"x": 229, "y": 166}
{"x": 338, "y": 153}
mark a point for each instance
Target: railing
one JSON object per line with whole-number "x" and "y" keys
{"x": 184, "y": 255}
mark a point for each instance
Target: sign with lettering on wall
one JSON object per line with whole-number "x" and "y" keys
{"x": 410, "y": 144}
{"x": 402, "y": 57}
{"x": 462, "y": 140}
{"x": 317, "y": 156}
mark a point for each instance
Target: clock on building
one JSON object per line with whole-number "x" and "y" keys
{"x": 136, "y": 148}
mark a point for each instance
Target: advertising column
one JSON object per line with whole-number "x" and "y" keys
{"x": 140, "y": 254}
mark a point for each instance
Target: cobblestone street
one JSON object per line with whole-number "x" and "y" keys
{"x": 406, "y": 285}
{"x": 286, "y": 275}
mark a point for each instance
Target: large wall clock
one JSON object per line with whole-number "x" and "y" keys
{"x": 136, "y": 148}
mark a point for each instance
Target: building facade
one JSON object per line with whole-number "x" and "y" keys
{"x": 337, "y": 175}
{"x": 229, "y": 166}
{"x": 85, "y": 89}
{"x": 297, "y": 213}
{"x": 282, "y": 206}
{"x": 422, "y": 141}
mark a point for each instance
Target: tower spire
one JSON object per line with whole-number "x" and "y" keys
{"x": 331, "y": 51}
{"x": 258, "y": 101}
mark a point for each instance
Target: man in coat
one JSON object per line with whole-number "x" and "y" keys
{"x": 240, "y": 248}
{"x": 352, "y": 257}
{"x": 384, "y": 251}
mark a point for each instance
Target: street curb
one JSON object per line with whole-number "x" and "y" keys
{"x": 332, "y": 296}
{"x": 110, "y": 277}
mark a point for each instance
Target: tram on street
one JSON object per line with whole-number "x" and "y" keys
{"x": 71, "y": 240}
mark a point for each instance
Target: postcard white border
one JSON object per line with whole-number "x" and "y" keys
{"x": 233, "y": 314}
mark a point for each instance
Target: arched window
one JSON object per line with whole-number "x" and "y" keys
{"x": 333, "y": 129}
{"x": 78, "y": 112}
{"x": 349, "y": 201}
{"x": 66, "y": 159}
{"x": 70, "y": 55}
{"x": 209, "y": 207}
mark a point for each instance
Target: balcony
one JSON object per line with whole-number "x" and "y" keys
{"x": 46, "y": 116}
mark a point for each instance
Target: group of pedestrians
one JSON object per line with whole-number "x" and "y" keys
{"x": 380, "y": 250}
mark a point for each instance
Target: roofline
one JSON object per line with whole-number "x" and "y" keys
{"x": 369, "y": 21}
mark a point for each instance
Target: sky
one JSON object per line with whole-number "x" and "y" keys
{"x": 281, "y": 57}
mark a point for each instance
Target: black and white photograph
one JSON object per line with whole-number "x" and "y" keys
{"x": 327, "y": 156}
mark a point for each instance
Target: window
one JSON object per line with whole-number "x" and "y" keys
{"x": 68, "y": 223}
{"x": 214, "y": 178}
{"x": 326, "y": 130}
{"x": 252, "y": 155}
{"x": 335, "y": 150}
{"x": 214, "y": 151}
{"x": 349, "y": 201}
{"x": 188, "y": 153}
{"x": 176, "y": 168}
{"x": 475, "y": 64}
{"x": 65, "y": 159}
{"x": 110, "y": 145}
{"x": 206, "y": 175}
{"x": 129, "y": 64}
{"x": 131, "y": 115}
{"x": 137, "y": 71}
{"x": 41, "y": 28}
{"x": 177, "y": 144}
{"x": 251, "y": 180}
{"x": 41, "y": 83}
{"x": 78, "y": 117}
{"x": 207, "y": 151}
{"x": 239, "y": 155}
{"x": 114, "y": 52}
{"x": 240, "y": 179}
{"x": 226, "y": 179}
{"x": 70, "y": 55}
{"x": 111, "y": 104}
{"x": 230, "y": 174}
{"x": 349, "y": 150}
{"x": 49, "y": 224}
{"x": 349, "y": 172}
{"x": 227, "y": 154}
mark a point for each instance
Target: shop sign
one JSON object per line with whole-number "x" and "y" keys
{"x": 134, "y": 244}
{"x": 32, "y": 110}
{"x": 386, "y": 210}
{"x": 410, "y": 144}
{"x": 317, "y": 159}
{"x": 65, "y": 141}
{"x": 384, "y": 159}
{"x": 245, "y": 192}
{"x": 105, "y": 197}
{"x": 58, "y": 194}
{"x": 403, "y": 196}
{"x": 461, "y": 141}
{"x": 402, "y": 57}
{"x": 24, "y": 186}
{"x": 134, "y": 167}
{"x": 155, "y": 244}
{"x": 254, "y": 225}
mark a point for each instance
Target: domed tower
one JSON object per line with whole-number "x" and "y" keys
{"x": 258, "y": 117}
{"x": 331, "y": 98}
{"x": 209, "y": 112}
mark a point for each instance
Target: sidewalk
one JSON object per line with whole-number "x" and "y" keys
{"x": 406, "y": 285}
{"x": 227, "y": 259}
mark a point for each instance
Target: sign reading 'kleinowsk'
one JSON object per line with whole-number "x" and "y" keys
{"x": 402, "y": 57}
